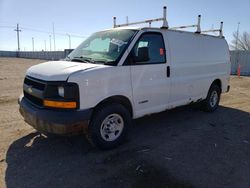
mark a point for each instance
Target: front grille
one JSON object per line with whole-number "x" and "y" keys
{"x": 34, "y": 100}
{"x": 34, "y": 83}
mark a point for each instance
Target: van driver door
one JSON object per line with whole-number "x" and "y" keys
{"x": 150, "y": 74}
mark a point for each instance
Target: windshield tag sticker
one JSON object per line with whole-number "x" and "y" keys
{"x": 118, "y": 42}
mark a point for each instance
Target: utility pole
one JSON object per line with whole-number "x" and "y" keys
{"x": 33, "y": 47}
{"x": 17, "y": 31}
{"x": 69, "y": 40}
{"x": 45, "y": 48}
{"x": 237, "y": 36}
{"x": 54, "y": 37}
{"x": 237, "y": 50}
{"x": 50, "y": 42}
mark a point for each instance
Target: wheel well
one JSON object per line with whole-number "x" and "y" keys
{"x": 217, "y": 82}
{"x": 117, "y": 99}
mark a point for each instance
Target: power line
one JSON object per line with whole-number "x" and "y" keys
{"x": 36, "y": 30}
{"x": 9, "y": 27}
{"x": 51, "y": 34}
{"x": 47, "y": 32}
{"x": 56, "y": 33}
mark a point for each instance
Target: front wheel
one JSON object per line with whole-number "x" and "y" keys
{"x": 109, "y": 125}
{"x": 211, "y": 103}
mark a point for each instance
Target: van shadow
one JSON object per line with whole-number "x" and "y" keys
{"x": 159, "y": 152}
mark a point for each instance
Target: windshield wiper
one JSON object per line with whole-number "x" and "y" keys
{"x": 82, "y": 59}
{"x": 90, "y": 60}
{"x": 78, "y": 60}
{"x": 110, "y": 63}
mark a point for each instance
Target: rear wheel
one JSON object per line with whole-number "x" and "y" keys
{"x": 109, "y": 125}
{"x": 211, "y": 103}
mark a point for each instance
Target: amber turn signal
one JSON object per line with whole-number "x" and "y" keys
{"x": 59, "y": 104}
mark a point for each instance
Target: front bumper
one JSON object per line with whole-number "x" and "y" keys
{"x": 54, "y": 121}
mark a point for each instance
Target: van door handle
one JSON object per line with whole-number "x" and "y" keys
{"x": 168, "y": 71}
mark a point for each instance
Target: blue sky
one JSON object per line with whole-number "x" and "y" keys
{"x": 80, "y": 18}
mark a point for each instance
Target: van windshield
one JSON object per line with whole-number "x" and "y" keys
{"x": 105, "y": 47}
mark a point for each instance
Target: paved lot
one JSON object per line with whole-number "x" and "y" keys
{"x": 184, "y": 147}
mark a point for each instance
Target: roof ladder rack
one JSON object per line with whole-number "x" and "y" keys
{"x": 165, "y": 24}
{"x": 164, "y": 19}
{"x": 198, "y": 26}
{"x": 216, "y": 30}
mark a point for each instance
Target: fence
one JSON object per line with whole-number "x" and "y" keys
{"x": 48, "y": 55}
{"x": 242, "y": 59}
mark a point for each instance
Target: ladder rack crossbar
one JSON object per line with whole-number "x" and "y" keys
{"x": 140, "y": 22}
{"x": 163, "y": 18}
{"x": 212, "y": 30}
{"x": 183, "y": 27}
{"x": 198, "y": 30}
{"x": 216, "y": 30}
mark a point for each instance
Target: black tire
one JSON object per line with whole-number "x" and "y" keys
{"x": 97, "y": 133}
{"x": 211, "y": 103}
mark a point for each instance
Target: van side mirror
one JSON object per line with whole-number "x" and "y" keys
{"x": 143, "y": 54}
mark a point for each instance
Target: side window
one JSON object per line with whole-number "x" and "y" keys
{"x": 154, "y": 44}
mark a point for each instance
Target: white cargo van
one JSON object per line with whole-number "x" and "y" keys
{"x": 124, "y": 73}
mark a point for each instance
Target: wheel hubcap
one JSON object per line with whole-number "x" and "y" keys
{"x": 214, "y": 99}
{"x": 112, "y": 127}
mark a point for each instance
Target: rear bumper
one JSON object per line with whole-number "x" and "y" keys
{"x": 54, "y": 121}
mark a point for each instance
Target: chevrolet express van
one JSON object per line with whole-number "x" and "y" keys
{"x": 121, "y": 74}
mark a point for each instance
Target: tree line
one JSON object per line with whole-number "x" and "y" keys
{"x": 241, "y": 41}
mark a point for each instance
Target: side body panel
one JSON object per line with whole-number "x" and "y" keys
{"x": 99, "y": 84}
{"x": 196, "y": 61}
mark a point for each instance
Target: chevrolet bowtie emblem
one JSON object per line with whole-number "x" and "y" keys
{"x": 30, "y": 89}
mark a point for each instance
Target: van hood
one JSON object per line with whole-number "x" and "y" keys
{"x": 58, "y": 70}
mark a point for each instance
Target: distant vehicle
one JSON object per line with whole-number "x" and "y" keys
{"x": 124, "y": 73}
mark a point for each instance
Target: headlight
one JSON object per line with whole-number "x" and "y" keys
{"x": 61, "y": 91}
{"x": 61, "y": 95}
